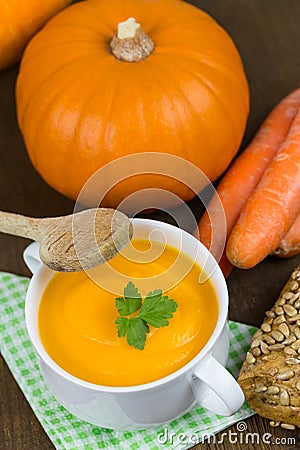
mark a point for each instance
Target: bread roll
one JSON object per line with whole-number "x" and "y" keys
{"x": 270, "y": 375}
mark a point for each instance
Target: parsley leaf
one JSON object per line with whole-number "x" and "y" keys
{"x": 131, "y": 302}
{"x": 122, "y": 326}
{"x": 155, "y": 310}
{"x": 137, "y": 331}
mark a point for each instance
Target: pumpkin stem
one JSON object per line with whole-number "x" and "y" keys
{"x": 130, "y": 43}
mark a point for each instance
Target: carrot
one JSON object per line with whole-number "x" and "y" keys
{"x": 225, "y": 265}
{"x": 272, "y": 208}
{"x": 243, "y": 176}
{"x": 290, "y": 243}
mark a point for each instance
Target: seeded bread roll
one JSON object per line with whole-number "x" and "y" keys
{"x": 270, "y": 375}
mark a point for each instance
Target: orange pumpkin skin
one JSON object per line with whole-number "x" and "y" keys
{"x": 19, "y": 21}
{"x": 80, "y": 108}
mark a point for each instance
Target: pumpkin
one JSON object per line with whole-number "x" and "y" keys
{"x": 104, "y": 80}
{"x": 19, "y": 21}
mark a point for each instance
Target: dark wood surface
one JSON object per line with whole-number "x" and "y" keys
{"x": 267, "y": 34}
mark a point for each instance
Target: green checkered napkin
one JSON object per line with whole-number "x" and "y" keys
{"x": 68, "y": 432}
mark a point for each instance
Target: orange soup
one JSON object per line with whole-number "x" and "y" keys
{"x": 77, "y": 315}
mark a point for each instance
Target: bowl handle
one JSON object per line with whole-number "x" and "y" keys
{"x": 222, "y": 395}
{"x": 31, "y": 256}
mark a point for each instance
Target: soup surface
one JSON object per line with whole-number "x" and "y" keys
{"x": 77, "y": 315}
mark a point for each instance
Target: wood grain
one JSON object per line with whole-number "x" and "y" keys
{"x": 267, "y": 34}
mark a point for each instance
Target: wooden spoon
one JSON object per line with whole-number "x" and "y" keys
{"x": 75, "y": 242}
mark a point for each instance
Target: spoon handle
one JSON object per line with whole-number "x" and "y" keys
{"x": 19, "y": 225}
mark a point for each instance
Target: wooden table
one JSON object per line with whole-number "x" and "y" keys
{"x": 267, "y": 34}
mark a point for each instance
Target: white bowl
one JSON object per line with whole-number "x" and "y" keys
{"x": 203, "y": 381}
